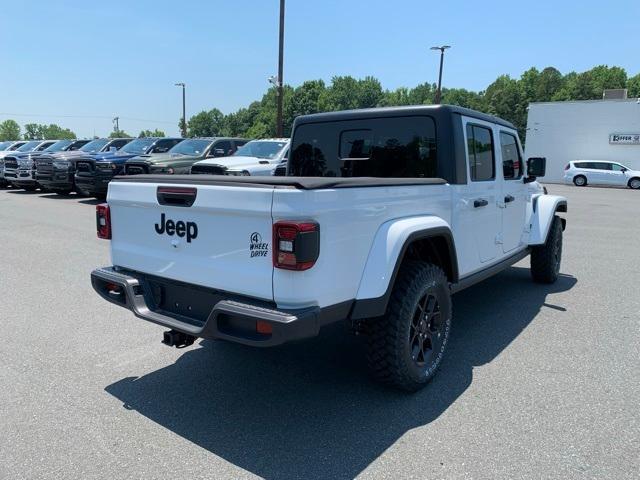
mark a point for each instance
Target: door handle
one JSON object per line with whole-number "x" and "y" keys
{"x": 481, "y": 202}
{"x": 509, "y": 199}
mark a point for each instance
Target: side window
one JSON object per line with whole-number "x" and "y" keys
{"x": 238, "y": 144}
{"x": 220, "y": 147}
{"x": 602, "y": 166}
{"x": 119, "y": 143}
{"x": 480, "y": 147}
{"x": 511, "y": 159}
{"x": 616, "y": 167}
{"x": 162, "y": 146}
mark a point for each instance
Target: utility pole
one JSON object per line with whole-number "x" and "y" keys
{"x": 439, "y": 91}
{"x": 184, "y": 109}
{"x": 116, "y": 125}
{"x": 280, "y": 126}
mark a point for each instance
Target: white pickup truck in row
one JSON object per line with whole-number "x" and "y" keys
{"x": 382, "y": 216}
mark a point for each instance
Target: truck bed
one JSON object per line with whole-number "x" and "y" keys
{"x": 300, "y": 183}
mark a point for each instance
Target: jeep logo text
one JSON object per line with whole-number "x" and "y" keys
{"x": 179, "y": 228}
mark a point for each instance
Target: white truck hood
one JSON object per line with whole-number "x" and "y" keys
{"x": 238, "y": 162}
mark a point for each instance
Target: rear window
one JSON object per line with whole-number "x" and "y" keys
{"x": 395, "y": 147}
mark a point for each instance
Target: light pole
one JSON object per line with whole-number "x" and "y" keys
{"x": 439, "y": 91}
{"x": 184, "y": 110}
{"x": 116, "y": 124}
{"x": 280, "y": 126}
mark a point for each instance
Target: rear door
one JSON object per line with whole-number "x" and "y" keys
{"x": 479, "y": 218}
{"x": 221, "y": 241}
{"x": 599, "y": 173}
{"x": 513, "y": 203}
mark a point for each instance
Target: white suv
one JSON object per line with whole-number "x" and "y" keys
{"x": 583, "y": 172}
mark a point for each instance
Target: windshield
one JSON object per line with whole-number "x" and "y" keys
{"x": 261, "y": 149}
{"x": 139, "y": 146}
{"x": 27, "y": 147}
{"x": 191, "y": 147}
{"x": 95, "y": 145}
{"x": 58, "y": 146}
{"x": 5, "y": 145}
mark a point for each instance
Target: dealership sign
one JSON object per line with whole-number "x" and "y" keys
{"x": 624, "y": 138}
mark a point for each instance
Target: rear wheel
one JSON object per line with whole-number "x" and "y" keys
{"x": 30, "y": 188}
{"x": 407, "y": 345}
{"x": 634, "y": 183}
{"x": 545, "y": 259}
{"x": 580, "y": 181}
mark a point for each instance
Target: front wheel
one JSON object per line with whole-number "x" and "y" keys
{"x": 545, "y": 259}
{"x": 634, "y": 183}
{"x": 406, "y": 346}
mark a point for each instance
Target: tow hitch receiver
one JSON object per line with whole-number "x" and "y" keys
{"x": 173, "y": 338}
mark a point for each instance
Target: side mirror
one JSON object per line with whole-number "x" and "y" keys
{"x": 161, "y": 150}
{"x": 624, "y": 169}
{"x": 112, "y": 149}
{"x": 536, "y": 167}
{"x": 219, "y": 152}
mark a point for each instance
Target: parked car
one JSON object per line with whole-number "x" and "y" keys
{"x": 19, "y": 166}
{"x": 384, "y": 215}
{"x": 586, "y": 172}
{"x": 257, "y": 157}
{"x": 94, "y": 172}
{"x": 181, "y": 157}
{"x": 55, "y": 171}
{"x": 7, "y": 148}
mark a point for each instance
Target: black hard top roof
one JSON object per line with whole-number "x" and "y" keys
{"x": 399, "y": 112}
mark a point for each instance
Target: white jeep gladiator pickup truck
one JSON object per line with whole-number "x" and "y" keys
{"x": 382, "y": 216}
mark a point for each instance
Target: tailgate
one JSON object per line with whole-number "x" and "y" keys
{"x": 221, "y": 241}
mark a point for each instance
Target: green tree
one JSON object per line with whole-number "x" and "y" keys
{"x": 9, "y": 130}
{"x": 346, "y": 93}
{"x": 181, "y": 126}
{"x": 589, "y": 85}
{"x": 505, "y": 99}
{"x": 633, "y": 87}
{"x": 36, "y": 131}
{"x": 53, "y": 131}
{"x": 32, "y": 131}
{"x": 206, "y": 123}
{"x": 302, "y": 100}
{"x": 463, "y": 98}
{"x": 549, "y": 83}
{"x": 119, "y": 134}
{"x": 151, "y": 133}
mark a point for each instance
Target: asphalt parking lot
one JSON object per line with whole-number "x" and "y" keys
{"x": 539, "y": 381}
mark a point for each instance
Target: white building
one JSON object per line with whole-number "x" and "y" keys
{"x": 584, "y": 130}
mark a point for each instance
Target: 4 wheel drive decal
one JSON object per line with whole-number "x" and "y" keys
{"x": 257, "y": 247}
{"x": 179, "y": 228}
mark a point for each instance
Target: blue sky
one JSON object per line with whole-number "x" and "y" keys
{"x": 101, "y": 59}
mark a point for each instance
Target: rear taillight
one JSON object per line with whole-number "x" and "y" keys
{"x": 103, "y": 221}
{"x": 296, "y": 245}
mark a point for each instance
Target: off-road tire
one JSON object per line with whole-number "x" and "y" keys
{"x": 406, "y": 328}
{"x": 580, "y": 181}
{"x": 546, "y": 259}
{"x": 634, "y": 183}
